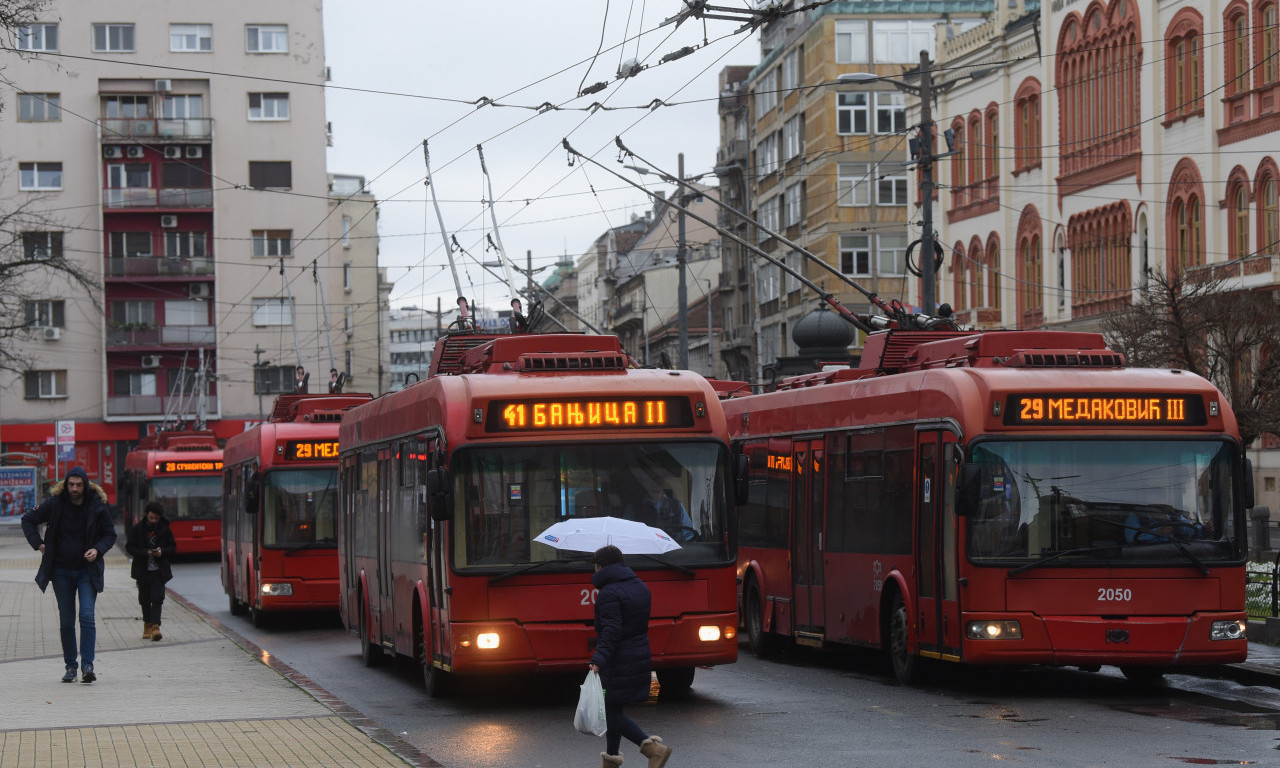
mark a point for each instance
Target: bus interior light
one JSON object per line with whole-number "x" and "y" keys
{"x": 709, "y": 633}
{"x": 280, "y": 590}
{"x": 1226, "y": 630}
{"x": 487, "y": 640}
{"x": 993, "y": 630}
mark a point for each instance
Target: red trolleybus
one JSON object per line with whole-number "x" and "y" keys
{"x": 183, "y": 471}
{"x": 996, "y": 498}
{"x": 446, "y": 484}
{"x": 280, "y": 489}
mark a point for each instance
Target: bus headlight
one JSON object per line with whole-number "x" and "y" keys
{"x": 993, "y": 630}
{"x": 708, "y": 633}
{"x": 487, "y": 640}
{"x": 1226, "y": 630}
{"x": 279, "y": 590}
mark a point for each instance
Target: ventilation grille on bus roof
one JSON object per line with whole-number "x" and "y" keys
{"x": 319, "y": 417}
{"x": 450, "y": 349}
{"x": 1065, "y": 358}
{"x": 571, "y": 361}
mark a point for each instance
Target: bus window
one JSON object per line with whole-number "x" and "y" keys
{"x": 299, "y": 508}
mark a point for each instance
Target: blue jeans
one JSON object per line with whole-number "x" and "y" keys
{"x": 66, "y": 585}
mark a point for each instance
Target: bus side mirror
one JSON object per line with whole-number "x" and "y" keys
{"x": 969, "y": 491}
{"x": 252, "y": 497}
{"x": 1247, "y": 488}
{"x": 741, "y": 476}
{"x": 439, "y": 494}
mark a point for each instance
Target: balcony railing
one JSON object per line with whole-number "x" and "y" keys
{"x": 151, "y": 266}
{"x": 116, "y": 129}
{"x": 162, "y": 336}
{"x": 154, "y": 405}
{"x": 157, "y": 197}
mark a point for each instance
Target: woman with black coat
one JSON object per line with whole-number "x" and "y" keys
{"x": 151, "y": 544}
{"x": 622, "y": 655}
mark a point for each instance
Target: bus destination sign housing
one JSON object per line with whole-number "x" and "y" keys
{"x": 1090, "y": 409}
{"x": 588, "y": 414}
{"x": 311, "y": 450}
{"x": 181, "y": 467}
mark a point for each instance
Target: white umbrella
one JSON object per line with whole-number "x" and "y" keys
{"x": 592, "y": 533}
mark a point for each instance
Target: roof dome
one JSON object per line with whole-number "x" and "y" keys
{"x": 822, "y": 332}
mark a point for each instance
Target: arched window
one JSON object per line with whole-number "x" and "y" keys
{"x": 1268, "y": 212}
{"x": 1184, "y": 75}
{"x": 1186, "y": 201}
{"x": 958, "y": 197}
{"x": 1030, "y": 269}
{"x": 1236, "y": 49}
{"x": 992, "y": 264}
{"x": 1099, "y": 242}
{"x": 1268, "y": 67}
{"x": 1027, "y": 132}
{"x": 975, "y": 154}
{"x": 993, "y": 150}
{"x": 1237, "y": 214}
{"x": 959, "y": 278}
{"x": 975, "y": 273}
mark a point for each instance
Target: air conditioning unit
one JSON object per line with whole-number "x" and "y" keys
{"x": 150, "y": 361}
{"x": 195, "y": 152}
{"x": 112, "y": 153}
{"x": 173, "y": 153}
{"x": 133, "y": 151}
{"x": 169, "y": 221}
{"x": 52, "y": 334}
{"x": 199, "y": 290}
{"x": 164, "y": 86}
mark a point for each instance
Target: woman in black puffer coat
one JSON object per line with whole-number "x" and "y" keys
{"x": 622, "y": 655}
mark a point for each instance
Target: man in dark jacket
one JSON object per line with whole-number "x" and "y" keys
{"x": 622, "y": 655}
{"x": 78, "y": 533}
{"x": 151, "y": 545}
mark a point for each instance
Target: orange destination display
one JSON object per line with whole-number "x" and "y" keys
{"x": 588, "y": 413}
{"x": 311, "y": 450}
{"x": 1095, "y": 409}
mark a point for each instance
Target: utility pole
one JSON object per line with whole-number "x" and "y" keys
{"x": 926, "y": 186}
{"x": 683, "y": 291}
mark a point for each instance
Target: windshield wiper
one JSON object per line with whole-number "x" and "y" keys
{"x": 1161, "y": 539}
{"x": 672, "y": 566}
{"x": 535, "y": 566}
{"x": 1056, "y": 555}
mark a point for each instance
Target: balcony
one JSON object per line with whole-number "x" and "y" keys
{"x": 183, "y": 336}
{"x": 151, "y": 266}
{"x": 154, "y": 405}
{"x": 733, "y": 151}
{"x": 114, "y": 129}
{"x": 157, "y": 197}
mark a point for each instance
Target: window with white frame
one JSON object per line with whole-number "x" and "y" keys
{"x": 186, "y": 312}
{"x": 346, "y": 231}
{"x": 793, "y": 137}
{"x": 767, "y": 283}
{"x": 791, "y": 70}
{"x": 855, "y": 255}
{"x": 851, "y": 42}
{"x": 900, "y": 41}
{"x": 113, "y": 38}
{"x": 130, "y": 245}
{"x": 39, "y": 107}
{"x": 37, "y": 37}
{"x": 767, "y": 154}
{"x": 346, "y": 321}
{"x": 38, "y": 246}
{"x": 346, "y": 276}
{"x": 266, "y": 38}
{"x": 39, "y": 176}
{"x": 273, "y": 311}
{"x": 768, "y": 218}
{"x": 766, "y": 92}
{"x": 190, "y": 38}
{"x": 133, "y": 312}
{"x": 891, "y": 112}
{"x": 853, "y": 184}
{"x": 135, "y": 383}
{"x": 891, "y": 184}
{"x": 853, "y": 113}
{"x": 270, "y": 243}
{"x": 40, "y": 385}
{"x": 45, "y": 313}
{"x": 770, "y": 343}
{"x": 183, "y": 106}
{"x": 125, "y": 105}
{"x": 795, "y": 266}
{"x": 793, "y": 204}
{"x": 129, "y": 175}
{"x": 185, "y": 245}
{"x": 891, "y": 254}
{"x": 268, "y": 106}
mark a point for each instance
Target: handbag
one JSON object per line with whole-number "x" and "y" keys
{"x": 589, "y": 717}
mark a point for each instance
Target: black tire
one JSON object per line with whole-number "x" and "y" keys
{"x": 675, "y": 681}
{"x": 435, "y": 681}
{"x": 897, "y": 636}
{"x": 237, "y": 608}
{"x": 1144, "y": 676}
{"x": 257, "y": 617}
{"x": 370, "y": 654}
{"x": 761, "y": 643}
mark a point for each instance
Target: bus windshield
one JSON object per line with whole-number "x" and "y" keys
{"x": 1103, "y": 502}
{"x": 299, "y": 508}
{"x": 190, "y": 497}
{"x": 507, "y": 495}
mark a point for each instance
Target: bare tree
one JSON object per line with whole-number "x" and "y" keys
{"x": 32, "y": 259}
{"x": 1230, "y": 337}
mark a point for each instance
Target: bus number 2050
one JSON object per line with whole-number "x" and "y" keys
{"x": 589, "y": 596}
{"x": 1114, "y": 595}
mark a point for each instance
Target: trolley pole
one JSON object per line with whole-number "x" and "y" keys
{"x": 927, "y": 276}
{"x": 683, "y": 290}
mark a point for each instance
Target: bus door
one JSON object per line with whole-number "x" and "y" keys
{"x": 383, "y": 618}
{"x": 437, "y": 619}
{"x": 807, "y": 457}
{"x": 937, "y": 611}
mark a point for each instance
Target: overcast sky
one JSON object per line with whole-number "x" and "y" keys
{"x": 416, "y": 67}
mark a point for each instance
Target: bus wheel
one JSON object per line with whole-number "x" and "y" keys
{"x": 257, "y": 617}
{"x": 1143, "y": 676}
{"x": 434, "y": 680}
{"x": 899, "y": 630}
{"x": 675, "y": 681}
{"x": 237, "y": 607}
{"x": 370, "y": 654}
{"x": 761, "y": 643}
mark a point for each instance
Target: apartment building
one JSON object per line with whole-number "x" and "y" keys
{"x": 179, "y": 157}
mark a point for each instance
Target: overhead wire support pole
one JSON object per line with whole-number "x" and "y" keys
{"x": 860, "y": 323}
{"x": 444, "y": 236}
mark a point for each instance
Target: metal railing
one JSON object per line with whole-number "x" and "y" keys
{"x": 1261, "y": 590}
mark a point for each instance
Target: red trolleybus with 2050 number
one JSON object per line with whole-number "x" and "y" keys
{"x": 280, "y": 492}
{"x": 183, "y": 471}
{"x": 996, "y": 498}
{"x": 446, "y": 483}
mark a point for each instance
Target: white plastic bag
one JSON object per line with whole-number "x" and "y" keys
{"x": 590, "y": 715}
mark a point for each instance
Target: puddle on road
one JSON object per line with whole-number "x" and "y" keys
{"x": 1250, "y": 718}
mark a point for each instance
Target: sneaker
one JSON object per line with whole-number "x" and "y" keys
{"x": 88, "y": 676}
{"x": 70, "y": 676}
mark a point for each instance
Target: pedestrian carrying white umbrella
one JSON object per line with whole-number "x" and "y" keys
{"x": 592, "y": 533}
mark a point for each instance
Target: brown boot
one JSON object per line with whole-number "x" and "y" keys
{"x": 656, "y": 751}
{"x": 610, "y": 761}
{"x": 148, "y": 630}
{"x": 155, "y": 632}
